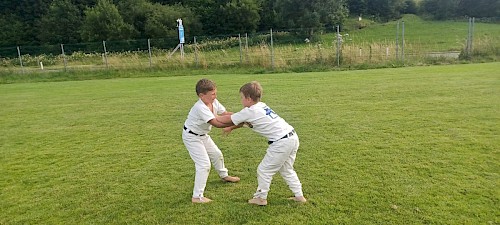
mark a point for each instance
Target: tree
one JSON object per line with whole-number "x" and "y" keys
{"x": 243, "y": 16}
{"x": 154, "y": 20}
{"x": 83, "y": 4}
{"x": 385, "y": 9}
{"x": 229, "y": 16}
{"x": 309, "y": 16}
{"x": 161, "y": 21}
{"x": 268, "y": 15}
{"x": 104, "y": 22}
{"x": 185, "y": 3}
{"x": 20, "y": 19}
{"x": 478, "y": 8}
{"x": 11, "y": 34}
{"x": 410, "y": 7}
{"x": 135, "y": 12}
{"x": 440, "y": 9}
{"x": 61, "y": 24}
{"x": 332, "y": 12}
{"x": 357, "y": 7}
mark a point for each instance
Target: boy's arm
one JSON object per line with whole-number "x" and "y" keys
{"x": 225, "y": 119}
{"x": 221, "y": 121}
{"x": 228, "y": 130}
{"x": 228, "y": 123}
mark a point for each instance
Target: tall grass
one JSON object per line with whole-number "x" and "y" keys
{"x": 373, "y": 46}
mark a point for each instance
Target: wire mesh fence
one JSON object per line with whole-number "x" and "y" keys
{"x": 273, "y": 49}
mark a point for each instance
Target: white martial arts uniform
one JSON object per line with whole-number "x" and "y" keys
{"x": 282, "y": 150}
{"x": 200, "y": 146}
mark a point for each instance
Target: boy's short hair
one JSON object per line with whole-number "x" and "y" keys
{"x": 252, "y": 90}
{"x": 205, "y": 85}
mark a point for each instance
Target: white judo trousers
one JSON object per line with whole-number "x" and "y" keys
{"x": 280, "y": 157}
{"x": 203, "y": 152}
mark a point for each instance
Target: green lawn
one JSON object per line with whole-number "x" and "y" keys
{"x": 390, "y": 146}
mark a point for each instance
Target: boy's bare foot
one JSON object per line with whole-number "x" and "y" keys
{"x": 258, "y": 201}
{"x": 298, "y": 199}
{"x": 231, "y": 179}
{"x": 201, "y": 200}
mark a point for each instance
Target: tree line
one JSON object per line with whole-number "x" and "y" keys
{"x": 39, "y": 22}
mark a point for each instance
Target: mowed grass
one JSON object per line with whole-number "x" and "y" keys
{"x": 390, "y": 146}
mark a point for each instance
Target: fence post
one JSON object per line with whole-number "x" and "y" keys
{"x": 370, "y": 57}
{"x": 246, "y": 47}
{"x": 467, "y": 43}
{"x": 397, "y": 41}
{"x": 403, "y": 43}
{"x": 241, "y": 50}
{"x": 105, "y": 54}
{"x": 338, "y": 46}
{"x": 195, "y": 52}
{"x": 20, "y": 58}
{"x": 64, "y": 57}
{"x": 272, "y": 50}
{"x": 469, "y": 37}
{"x": 149, "y": 52}
{"x": 472, "y": 33}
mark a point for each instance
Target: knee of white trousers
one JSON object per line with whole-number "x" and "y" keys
{"x": 217, "y": 158}
{"x": 217, "y": 154}
{"x": 262, "y": 173}
{"x": 264, "y": 177}
{"x": 219, "y": 165}
{"x": 203, "y": 168}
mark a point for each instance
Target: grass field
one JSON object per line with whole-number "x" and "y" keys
{"x": 390, "y": 146}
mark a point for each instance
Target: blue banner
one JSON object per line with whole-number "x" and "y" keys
{"x": 181, "y": 34}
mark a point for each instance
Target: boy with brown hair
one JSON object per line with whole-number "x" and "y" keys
{"x": 199, "y": 144}
{"x": 283, "y": 142}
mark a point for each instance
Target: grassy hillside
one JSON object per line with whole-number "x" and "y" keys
{"x": 433, "y": 35}
{"x": 390, "y": 146}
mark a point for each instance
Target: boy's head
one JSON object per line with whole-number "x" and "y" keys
{"x": 251, "y": 90}
{"x": 206, "y": 91}
{"x": 205, "y": 85}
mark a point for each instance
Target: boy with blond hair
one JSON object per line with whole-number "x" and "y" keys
{"x": 283, "y": 142}
{"x": 199, "y": 144}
